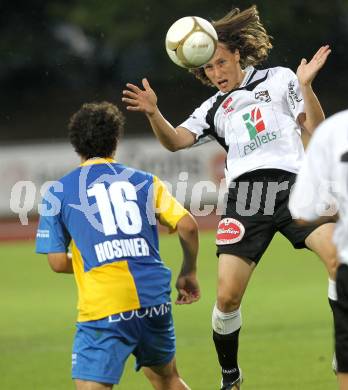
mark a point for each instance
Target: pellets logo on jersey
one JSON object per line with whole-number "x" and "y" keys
{"x": 254, "y": 122}
{"x": 226, "y": 105}
{"x": 229, "y": 231}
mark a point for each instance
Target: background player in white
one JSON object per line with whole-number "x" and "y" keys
{"x": 257, "y": 116}
{"x": 323, "y": 177}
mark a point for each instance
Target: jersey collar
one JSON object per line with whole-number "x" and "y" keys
{"x": 248, "y": 82}
{"x": 97, "y": 160}
{"x": 249, "y": 73}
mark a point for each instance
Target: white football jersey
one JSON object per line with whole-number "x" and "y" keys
{"x": 321, "y": 187}
{"x": 255, "y": 123}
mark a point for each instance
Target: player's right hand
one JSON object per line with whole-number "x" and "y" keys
{"x": 307, "y": 71}
{"x": 142, "y": 100}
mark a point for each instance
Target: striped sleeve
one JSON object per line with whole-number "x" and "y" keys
{"x": 197, "y": 122}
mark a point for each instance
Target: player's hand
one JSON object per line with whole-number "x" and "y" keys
{"x": 307, "y": 71}
{"x": 188, "y": 289}
{"x": 137, "y": 99}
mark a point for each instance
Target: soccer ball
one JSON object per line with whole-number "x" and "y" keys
{"x": 191, "y": 42}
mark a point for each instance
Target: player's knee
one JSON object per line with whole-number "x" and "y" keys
{"x": 165, "y": 378}
{"x": 170, "y": 381}
{"x": 228, "y": 301}
{"x": 331, "y": 263}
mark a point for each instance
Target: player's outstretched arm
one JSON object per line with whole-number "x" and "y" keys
{"x": 306, "y": 72}
{"x": 187, "y": 284}
{"x": 145, "y": 100}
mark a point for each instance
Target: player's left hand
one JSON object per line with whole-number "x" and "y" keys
{"x": 307, "y": 71}
{"x": 188, "y": 289}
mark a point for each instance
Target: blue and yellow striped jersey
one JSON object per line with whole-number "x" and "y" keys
{"x": 106, "y": 212}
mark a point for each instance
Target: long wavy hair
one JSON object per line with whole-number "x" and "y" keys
{"x": 244, "y": 31}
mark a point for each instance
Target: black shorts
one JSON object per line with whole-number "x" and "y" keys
{"x": 341, "y": 319}
{"x": 257, "y": 208}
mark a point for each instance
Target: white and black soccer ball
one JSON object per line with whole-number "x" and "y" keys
{"x": 191, "y": 42}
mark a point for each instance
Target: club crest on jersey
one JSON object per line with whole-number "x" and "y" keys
{"x": 226, "y": 105}
{"x": 229, "y": 231}
{"x": 263, "y": 96}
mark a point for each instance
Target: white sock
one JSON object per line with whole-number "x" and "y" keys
{"x": 226, "y": 323}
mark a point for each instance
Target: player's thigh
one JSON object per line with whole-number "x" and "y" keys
{"x": 245, "y": 230}
{"x": 234, "y": 273}
{"x": 101, "y": 349}
{"x": 320, "y": 241}
{"x": 156, "y": 346}
{"x": 89, "y": 385}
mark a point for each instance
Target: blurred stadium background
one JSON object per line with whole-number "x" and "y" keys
{"x": 56, "y": 55}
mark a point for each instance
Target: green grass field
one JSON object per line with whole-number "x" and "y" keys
{"x": 286, "y": 341}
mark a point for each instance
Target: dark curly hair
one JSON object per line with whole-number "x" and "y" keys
{"x": 241, "y": 30}
{"x": 94, "y": 130}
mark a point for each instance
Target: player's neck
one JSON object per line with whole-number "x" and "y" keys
{"x": 84, "y": 159}
{"x": 240, "y": 78}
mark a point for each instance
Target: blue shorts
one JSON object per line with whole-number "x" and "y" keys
{"x": 102, "y": 347}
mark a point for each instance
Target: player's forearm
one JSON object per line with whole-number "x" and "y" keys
{"x": 314, "y": 112}
{"x": 169, "y": 137}
{"x": 188, "y": 234}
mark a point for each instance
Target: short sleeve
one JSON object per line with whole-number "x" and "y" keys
{"x": 51, "y": 235}
{"x": 197, "y": 122}
{"x": 168, "y": 210}
{"x": 312, "y": 185}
